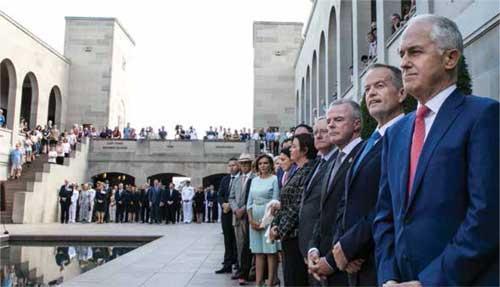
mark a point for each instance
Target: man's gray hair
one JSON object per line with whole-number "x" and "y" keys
{"x": 396, "y": 77}
{"x": 444, "y": 32}
{"x": 320, "y": 118}
{"x": 356, "y": 110}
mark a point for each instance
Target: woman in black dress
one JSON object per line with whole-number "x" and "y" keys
{"x": 199, "y": 200}
{"x": 100, "y": 202}
{"x": 132, "y": 203}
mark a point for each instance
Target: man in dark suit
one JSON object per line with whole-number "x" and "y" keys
{"x": 384, "y": 96}
{"x": 310, "y": 202}
{"x": 436, "y": 220}
{"x": 169, "y": 199}
{"x": 65, "y": 193}
{"x": 154, "y": 201}
{"x": 145, "y": 210}
{"x": 344, "y": 128}
{"x": 120, "y": 204}
{"x": 230, "y": 252}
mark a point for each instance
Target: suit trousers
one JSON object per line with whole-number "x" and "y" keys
{"x": 64, "y": 212}
{"x": 120, "y": 210}
{"x": 243, "y": 247}
{"x": 170, "y": 213}
{"x": 294, "y": 267}
{"x": 187, "y": 210}
{"x": 155, "y": 213}
{"x": 230, "y": 252}
{"x": 145, "y": 213}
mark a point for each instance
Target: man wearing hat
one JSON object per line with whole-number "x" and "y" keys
{"x": 237, "y": 200}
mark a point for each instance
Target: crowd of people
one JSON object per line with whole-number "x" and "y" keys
{"x": 47, "y": 140}
{"x": 152, "y": 203}
{"x": 415, "y": 204}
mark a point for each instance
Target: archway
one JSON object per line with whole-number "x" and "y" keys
{"x": 29, "y": 100}
{"x": 322, "y": 93}
{"x": 314, "y": 89}
{"x": 332, "y": 56}
{"x": 213, "y": 179}
{"x": 113, "y": 178}
{"x": 366, "y": 15}
{"x": 8, "y": 84}
{"x": 54, "y": 113}
{"x": 345, "y": 46}
{"x": 164, "y": 178}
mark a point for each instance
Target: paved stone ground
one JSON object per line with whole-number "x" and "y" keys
{"x": 185, "y": 255}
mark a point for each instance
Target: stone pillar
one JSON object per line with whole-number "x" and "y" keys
{"x": 356, "y": 46}
{"x": 15, "y": 111}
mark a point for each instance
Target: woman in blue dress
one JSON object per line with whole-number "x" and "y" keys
{"x": 263, "y": 189}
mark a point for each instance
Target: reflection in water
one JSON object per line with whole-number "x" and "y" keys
{"x": 49, "y": 265}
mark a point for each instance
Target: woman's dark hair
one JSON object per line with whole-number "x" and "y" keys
{"x": 286, "y": 151}
{"x": 306, "y": 142}
{"x": 269, "y": 158}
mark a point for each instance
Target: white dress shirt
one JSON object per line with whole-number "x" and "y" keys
{"x": 187, "y": 193}
{"x": 349, "y": 147}
{"x": 434, "y": 106}
{"x": 381, "y": 130}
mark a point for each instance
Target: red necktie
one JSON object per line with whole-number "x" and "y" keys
{"x": 417, "y": 143}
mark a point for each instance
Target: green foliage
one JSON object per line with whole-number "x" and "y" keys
{"x": 464, "y": 84}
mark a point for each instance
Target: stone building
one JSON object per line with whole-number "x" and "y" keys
{"x": 276, "y": 45}
{"x": 86, "y": 85}
{"x": 329, "y": 64}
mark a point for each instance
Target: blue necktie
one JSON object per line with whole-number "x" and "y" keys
{"x": 369, "y": 145}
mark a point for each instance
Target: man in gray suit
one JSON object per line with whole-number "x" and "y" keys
{"x": 238, "y": 200}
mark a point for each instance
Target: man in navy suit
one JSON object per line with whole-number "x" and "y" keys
{"x": 344, "y": 128}
{"x": 437, "y": 213}
{"x": 311, "y": 197}
{"x": 384, "y": 96}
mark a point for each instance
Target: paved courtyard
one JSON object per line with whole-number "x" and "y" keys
{"x": 183, "y": 255}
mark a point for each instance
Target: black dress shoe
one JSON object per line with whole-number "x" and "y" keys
{"x": 224, "y": 270}
{"x": 236, "y": 276}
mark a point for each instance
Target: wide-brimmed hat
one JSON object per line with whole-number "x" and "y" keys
{"x": 245, "y": 157}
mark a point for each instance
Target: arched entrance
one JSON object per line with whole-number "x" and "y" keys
{"x": 29, "y": 100}
{"x": 164, "y": 178}
{"x": 8, "y": 83}
{"x": 332, "y": 56}
{"x": 213, "y": 179}
{"x": 114, "y": 178}
{"x": 54, "y": 113}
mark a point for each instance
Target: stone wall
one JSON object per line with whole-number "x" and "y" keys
{"x": 276, "y": 46}
{"x": 142, "y": 159}
{"x": 41, "y": 205}
{"x": 27, "y": 54}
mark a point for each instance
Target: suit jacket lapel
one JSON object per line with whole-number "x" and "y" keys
{"x": 403, "y": 156}
{"x": 445, "y": 117}
{"x": 310, "y": 179}
{"x": 345, "y": 164}
{"x": 351, "y": 175}
{"x": 326, "y": 186}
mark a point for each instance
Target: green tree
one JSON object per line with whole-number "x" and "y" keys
{"x": 464, "y": 84}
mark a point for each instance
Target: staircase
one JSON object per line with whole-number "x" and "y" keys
{"x": 31, "y": 173}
